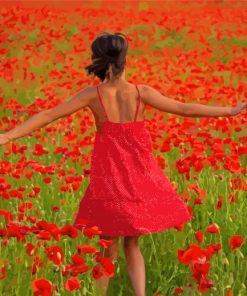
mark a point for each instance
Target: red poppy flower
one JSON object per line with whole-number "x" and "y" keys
{"x": 235, "y": 242}
{"x": 97, "y": 272}
{"x": 104, "y": 243}
{"x": 31, "y": 249}
{"x": 55, "y": 254}
{"x": 190, "y": 255}
{"x": 27, "y": 205}
{"x": 213, "y": 228}
{"x": 42, "y": 287}
{"x": 72, "y": 284}
{"x": 90, "y": 232}
{"x": 69, "y": 231}
{"x": 199, "y": 236}
{"x": 3, "y": 269}
{"x": 85, "y": 249}
{"x": 108, "y": 266}
{"x": 198, "y": 201}
{"x": 178, "y": 291}
{"x": 47, "y": 180}
{"x": 52, "y": 228}
{"x": 78, "y": 266}
{"x": 219, "y": 203}
{"x": 232, "y": 197}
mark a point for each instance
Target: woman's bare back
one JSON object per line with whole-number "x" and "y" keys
{"x": 120, "y": 103}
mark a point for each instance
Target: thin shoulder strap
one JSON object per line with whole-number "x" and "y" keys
{"x": 101, "y": 102}
{"x": 139, "y": 101}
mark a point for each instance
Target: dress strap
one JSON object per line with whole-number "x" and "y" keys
{"x": 139, "y": 101}
{"x": 101, "y": 102}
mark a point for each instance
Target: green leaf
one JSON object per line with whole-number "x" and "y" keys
{"x": 64, "y": 47}
{"x": 73, "y": 30}
{"x": 238, "y": 42}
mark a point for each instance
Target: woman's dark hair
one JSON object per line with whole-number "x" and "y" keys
{"x": 108, "y": 49}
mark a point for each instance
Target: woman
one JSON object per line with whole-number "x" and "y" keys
{"x": 128, "y": 194}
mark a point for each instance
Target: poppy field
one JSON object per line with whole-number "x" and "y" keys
{"x": 192, "y": 51}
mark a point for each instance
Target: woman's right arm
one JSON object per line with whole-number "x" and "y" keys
{"x": 38, "y": 120}
{"x": 154, "y": 98}
{"x": 79, "y": 100}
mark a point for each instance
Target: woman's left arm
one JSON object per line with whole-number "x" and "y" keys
{"x": 79, "y": 100}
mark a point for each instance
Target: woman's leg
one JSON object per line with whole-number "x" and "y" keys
{"x": 112, "y": 253}
{"x": 135, "y": 264}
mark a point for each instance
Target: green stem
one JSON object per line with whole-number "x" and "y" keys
{"x": 155, "y": 253}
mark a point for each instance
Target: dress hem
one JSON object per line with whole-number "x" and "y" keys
{"x": 144, "y": 232}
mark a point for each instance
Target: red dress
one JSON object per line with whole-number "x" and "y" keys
{"x": 128, "y": 193}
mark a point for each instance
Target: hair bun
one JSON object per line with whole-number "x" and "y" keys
{"x": 108, "y": 49}
{"x": 112, "y": 59}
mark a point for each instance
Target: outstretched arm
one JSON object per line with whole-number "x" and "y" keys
{"x": 79, "y": 100}
{"x": 154, "y": 98}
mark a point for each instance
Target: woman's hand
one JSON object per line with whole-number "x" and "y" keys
{"x": 238, "y": 109}
{"x": 4, "y": 139}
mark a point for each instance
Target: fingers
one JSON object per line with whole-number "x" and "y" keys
{"x": 3, "y": 139}
{"x": 243, "y": 106}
